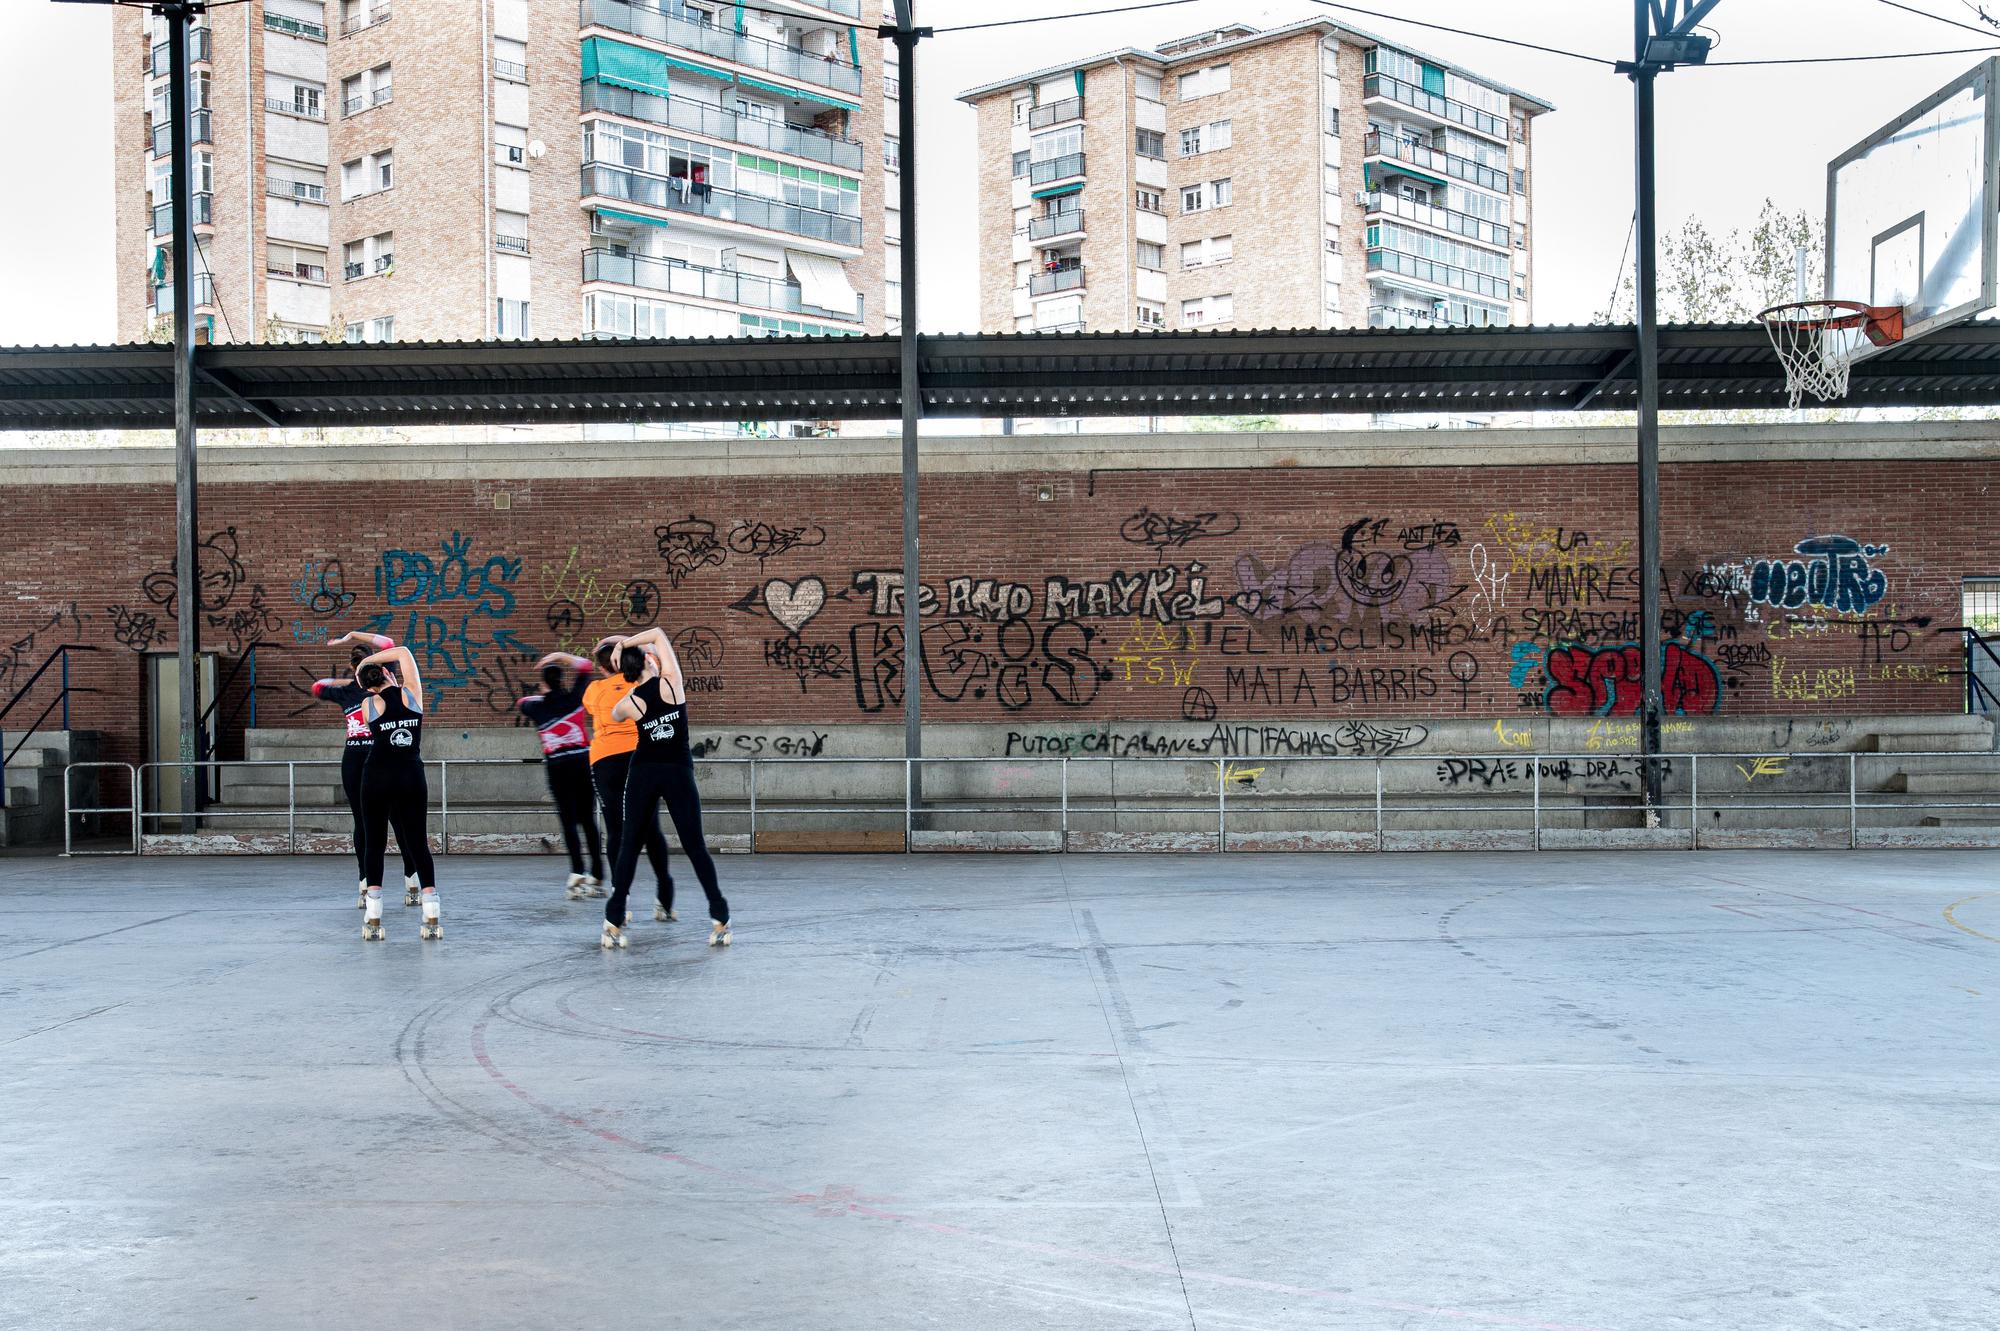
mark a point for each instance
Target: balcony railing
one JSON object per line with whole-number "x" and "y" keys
{"x": 1445, "y": 219}
{"x": 1426, "y": 158}
{"x": 354, "y": 106}
{"x": 625, "y": 185}
{"x": 301, "y": 191}
{"x": 1443, "y": 274}
{"x": 663, "y": 25}
{"x": 1434, "y": 104}
{"x": 1055, "y": 168}
{"x": 157, "y": 63}
{"x": 204, "y": 294}
{"x": 298, "y": 272}
{"x": 1055, "y": 224}
{"x": 303, "y": 110}
{"x": 851, "y": 8}
{"x": 1069, "y": 108}
{"x": 362, "y": 22}
{"x": 676, "y": 278}
{"x": 1063, "y": 279}
{"x": 203, "y": 122}
{"x": 512, "y": 244}
{"x": 163, "y": 214}
{"x": 511, "y": 70}
{"x": 297, "y": 27}
{"x": 702, "y": 118}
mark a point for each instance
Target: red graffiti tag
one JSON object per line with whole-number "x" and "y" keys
{"x": 1605, "y": 681}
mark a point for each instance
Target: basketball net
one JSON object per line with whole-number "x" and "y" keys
{"x": 1817, "y": 342}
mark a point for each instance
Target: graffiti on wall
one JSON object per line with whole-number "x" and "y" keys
{"x": 450, "y": 609}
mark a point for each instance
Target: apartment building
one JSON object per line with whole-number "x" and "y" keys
{"x": 409, "y": 170}
{"x": 1306, "y": 176}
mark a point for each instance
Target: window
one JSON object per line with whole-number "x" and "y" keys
{"x": 288, "y": 180}
{"x": 371, "y": 87}
{"x": 1333, "y": 121}
{"x": 1146, "y": 85}
{"x": 303, "y": 263}
{"x": 1020, "y": 164}
{"x": 1061, "y": 143}
{"x": 367, "y": 175}
{"x": 510, "y": 146}
{"x": 1022, "y": 105}
{"x": 892, "y": 154}
{"x": 1204, "y": 82}
{"x": 372, "y": 330}
{"x": 1191, "y": 141}
{"x": 510, "y": 231}
{"x": 1221, "y": 193}
{"x": 1150, "y": 143}
{"x": 1520, "y": 129}
{"x": 1219, "y": 136}
{"x": 1202, "y": 253}
{"x": 1152, "y": 314}
{"x": 892, "y": 226}
{"x": 1193, "y": 198}
{"x": 510, "y": 59}
{"x": 1520, "y": 180}
{"x": 510, "y": 319}
{"x": 1191, "y": 253}
{"x": 1147, "y": 201}
{"x": 1152, "y": 256}
{"x": 366, "y": 258}
{"x": 1208, "y": 310}
{"x": 385, "y": 170}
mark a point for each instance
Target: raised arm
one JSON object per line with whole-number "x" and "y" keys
{"x": 374, "y": 640}
{"x": 655, "y": 641}
{"x": 320, "y": 686}
{"x": 405, "y": 666}
{"x": 583, "y": 665}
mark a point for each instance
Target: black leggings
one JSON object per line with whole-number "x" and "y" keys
{"x": 569, "y": 782}
{"x": 608, "y": 775}
{"x": 397, "y": 797}
{"x": 646, "y": 784}
{"x": 352, "y": 761}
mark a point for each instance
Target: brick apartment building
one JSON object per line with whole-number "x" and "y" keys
{"x": 1308, "y": 176}
{"x": 408, "y": 170}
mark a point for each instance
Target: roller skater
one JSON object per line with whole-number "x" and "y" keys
{"x": 348, "y": 696}
{"x": 559, "y": 716}
{"x": 393, "y": 790}
{"x": 611, "y": 745}
{"x": 662, "y": 769}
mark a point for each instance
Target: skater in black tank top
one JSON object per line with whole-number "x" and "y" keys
{"x": 348, "y": 696}
{"x": 662, "y": 769}
{"x": 393, "y": 791}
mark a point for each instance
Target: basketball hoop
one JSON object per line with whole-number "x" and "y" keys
{"x": 1817, "y": 341}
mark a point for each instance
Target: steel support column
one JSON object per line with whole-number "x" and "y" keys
{"x": 1648, "y": 320}
{"x": 187, "y": 566}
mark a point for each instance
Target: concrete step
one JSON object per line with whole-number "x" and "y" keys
{"x": 1947, "y": 783}
{"x": 24, "y": 796}
{"x": 1960, "y": 819}
{"x": 1932, "y": 741}
{"x": 1935, "y": 724}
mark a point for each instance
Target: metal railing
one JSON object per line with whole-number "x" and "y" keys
{"x": 683, "y": 279}
{"x": 1063, "y": 279}
{"x": 300, "y": 191}
{"x": 1434, "y": 104}
{"x": 628, "y": 186}
{"x": 204, "y": 294}
{"x": 1404, "y": 316}
{"x": 1982, "y": 670}
{"x": 1069, "y": 108}
{"x": 513, "y": 244}
{"x": 381, "y": 13}
{"x": 202, "y": 123}
{"x": 163, "y": 215}
{"x": 1055, "y": 168}
{"x": 695, "y": 117}
{"x": 1444, "y": 219}
{"x": 1383, "y": 258}
{"x": 60, "y": 660}
{"x": 297, "y": 27}
{"x": 511, "y": 70}
{"x": 1428, "y": 158}
{"x": 72, "y": 812}
{"x": 1055, "y": 224}
{"x": 666, "y": 23}
{"x": 304, "y": 111}
{"x": 354, "y": 106}
{"x": 199, "y": 48}
{"x": 1514, "y": 800}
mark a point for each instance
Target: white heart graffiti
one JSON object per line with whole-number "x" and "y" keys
{"x": 794, "y": 604}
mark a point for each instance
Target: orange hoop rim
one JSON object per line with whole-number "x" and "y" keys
{"x": 1883, "y": 324}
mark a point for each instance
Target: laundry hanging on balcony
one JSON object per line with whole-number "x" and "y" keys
{"x": 823, "y": 283}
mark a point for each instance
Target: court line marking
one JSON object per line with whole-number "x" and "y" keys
{"x": 70, "y": 942}
{"x": 1952, "y": 919}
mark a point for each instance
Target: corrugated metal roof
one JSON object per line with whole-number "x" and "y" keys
{"x": 1703, "y": 367}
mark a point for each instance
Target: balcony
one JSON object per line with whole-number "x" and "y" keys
{"x": 511, "y": 244}
{"x": 163, "y": 214}
{"x": 362, "y": 22}
{"x": 1382, "y": 260}
{"x": 676, "y": 278}
{"x": 354, "y": 106}
{"x": 303, "y": 110}
{"x": 663, "y": 25}
{"x": 1056, "y": 224}
{"x": 299, "y": 191}
{"x": 383, "y": 265}
{"x": 158, "y": 61}
{"x": 1444, "y": 219}
{"x": 1069, "y": 108}
{"x": 627, "y": 186}
{"x": 1055, "y": 168}
{"x": 1434, "y": 105}
{"x": 1426, "y": 158}
{"x": 202, "y": 122}
{"x": 1405, "y": 316}
{"x": 1062, "y": 279}
{"x": 511, "y": 70}
{"x": 204, "y": 294}
{"x": 296, "y": 27}
{"x": 298, "y": 272}
{"x": 714, "y": 122}
{"x": 848, "y": 8}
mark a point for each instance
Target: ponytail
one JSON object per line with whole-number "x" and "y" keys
{"x": 632, "y": 664}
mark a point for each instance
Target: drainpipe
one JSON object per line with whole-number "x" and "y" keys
{"x": 486, "y": 171}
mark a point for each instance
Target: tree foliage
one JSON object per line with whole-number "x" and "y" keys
{"x": 1706, "y": 277}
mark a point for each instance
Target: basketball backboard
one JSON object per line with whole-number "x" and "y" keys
{"x": 1912, "y": 211}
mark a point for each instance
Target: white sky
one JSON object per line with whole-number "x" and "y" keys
{"x": 1728, "y": 137}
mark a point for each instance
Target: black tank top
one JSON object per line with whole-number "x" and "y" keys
{"x": 663, "y": 733}
{"x": 398, "y": 733}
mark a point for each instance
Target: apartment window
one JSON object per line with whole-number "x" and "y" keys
{"x": 1152, "y": 256}
{"x": 1146, "y": 86}
{"x": 1204, "y": 82}
{"x": 1520, "y": 180}
{"x": 510, "y": 231}
{"x": 1062, "y": 143}
{"x": 285, "y": 96}
{"x": 1147, "y": 201}
{"x": 510, "y": 146}
{"x": 368, "y": 257}
{"x": 1520, "y": 129}
{"x": 385, "y": 170}
{"x": 1208, "y": 310}
{"x": 371, "y": 87}
{"x": 373, "y": 330}
{"x": 892, "y": 154}
{"x": 288, "y": 180}
{"x": 1152, "y": 314}
{"x": 510, "y": 319}
{"x": 892, "y": 226}
{"x": 1023, "y": 105}
{"x": 1219, "y": 136}
{"x": 1149, "y": 143}
{"x": 1221, "y": 193}
{"x": 302, "y": 263}
{"x": 1193, "y": 198}
{"x": 1191, "y": 141}
{"x": 367, "y": 175}
{"x": 1333, "y": 121}
{"x": 1020, "y": 164}
{"x": 510, "y": 59}
{"x": 1333, "y": 240}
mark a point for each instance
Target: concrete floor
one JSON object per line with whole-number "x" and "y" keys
{"x": 1749, "y": 1091}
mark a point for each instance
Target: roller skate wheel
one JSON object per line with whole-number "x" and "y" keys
{"x": 612, "y": 937}
{"x": 574, "y": 892}
{"x": 663, "y": 915}
{"x": 718, "y": 935}
{"x": 593, "y": 889}
{"x": 371, "y": 933}
{"x": 434, "y": 929}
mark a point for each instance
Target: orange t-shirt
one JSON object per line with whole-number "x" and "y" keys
{"x": 608, "y": 737}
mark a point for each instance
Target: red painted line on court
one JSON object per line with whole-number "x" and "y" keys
{"x": 820, "y": 1202}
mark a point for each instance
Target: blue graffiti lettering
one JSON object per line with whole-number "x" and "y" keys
{"x": 409, "y": 577}
{"x": 1837, "y": 576}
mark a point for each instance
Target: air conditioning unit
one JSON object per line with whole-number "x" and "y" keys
{"x": 1361, "y": 197}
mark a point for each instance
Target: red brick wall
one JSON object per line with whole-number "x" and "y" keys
{"x": 1323, "y": 592}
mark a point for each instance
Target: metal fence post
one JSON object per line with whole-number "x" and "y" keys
{"x": 1222, "y": 807}
{"x": 1853, "y": 814}
{"x": 1535, "y": 770}
{"x": 1378, "y": 804}
{"x": 63, "y": 652}
{"x": 444, "y": 806}
{"x": 909, "y": 776}
{"x": 291, "y": 807}
{"x": 1062, "y": 847}
{"x": 753, "y": 806}
{"x": 1694, "y": 801}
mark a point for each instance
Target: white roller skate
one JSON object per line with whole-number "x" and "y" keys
{"x": 371, "y": 917}
{"x": 664, "y": 914}
{"x": 412, "y": 889}
{"x": 574, "y": 888}
{"x": 613, "y": 937}
{"x": 593, "y": 886}
{"x": 361, "y": 900}
{"x": 718, "y": 933}
{"x": 433, "y": 925}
